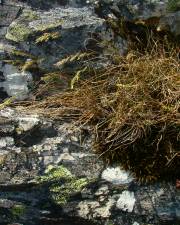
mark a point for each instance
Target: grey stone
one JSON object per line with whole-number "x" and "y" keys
{"x": 16, "y": 82}
{"x": 6, "y": 142}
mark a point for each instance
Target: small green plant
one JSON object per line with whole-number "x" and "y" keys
{"x": 77, "y": 76}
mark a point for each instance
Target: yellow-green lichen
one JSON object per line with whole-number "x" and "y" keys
{"x": 18, "y": 32}
{"x": 23, "y": 54}
{"x": 60, "y": 191}
{"x": 18, "y": 210}
{"x": 29, "y": 15}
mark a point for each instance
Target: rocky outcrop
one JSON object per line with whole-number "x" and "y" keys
{"x": 49, "y": 174}
{"x": 46, "y": 36}
{"x": 50, "y": 31}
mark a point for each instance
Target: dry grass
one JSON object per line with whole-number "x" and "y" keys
{"x": 135, "y": 109}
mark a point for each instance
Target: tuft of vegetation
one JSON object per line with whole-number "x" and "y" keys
{"x": 30, "y": 65}
{"x": 24, "y": 61}
{"x": 45, "y": 37}
{"x": 74, "y": 58}
{"x": 7, "y": 102}
{"x": 23, "y": 54}
{"x": 135, "y": 109}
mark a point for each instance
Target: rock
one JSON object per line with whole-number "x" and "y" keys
{"x": 16, "y": 83}
{"x": 51, "y": 167}
{"x": 126, "y": 201}
{"x": 165, "y": 12}
{"x": 6, "y": 142}
{"x": 49, "y": 173}
{"x": 170, "y": 23}
{"x": 27, "y": 123}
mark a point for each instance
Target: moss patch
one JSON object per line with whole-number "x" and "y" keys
{"x": 64, "y": 184}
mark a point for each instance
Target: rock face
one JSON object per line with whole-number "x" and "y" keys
{"x": 48, "y": 31}
{"x": 49, "y": 174}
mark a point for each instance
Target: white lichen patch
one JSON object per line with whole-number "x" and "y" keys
{"x": 126, "y": 201}
{"x": 116, "y": 176}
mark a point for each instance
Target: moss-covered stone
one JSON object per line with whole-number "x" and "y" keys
{"x": 29, "y": 23}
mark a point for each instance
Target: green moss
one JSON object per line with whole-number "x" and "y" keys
{"x": 18, "y": 211}
{"x": 173, "y": 5}
{"x": 54, "y": 174}
{"x": 60, "y": 191}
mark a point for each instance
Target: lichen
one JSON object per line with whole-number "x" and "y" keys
{"x": 18, "y": 32}
{"x": 63, "y": 184}
{"x": 29, "y": 15}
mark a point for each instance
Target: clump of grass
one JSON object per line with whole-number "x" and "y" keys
{"x": 74, "y": 58}
{"x": 135, "y": 109}
{"x": 47, "y": 36}
{"x": 30, "y": 65}
{"x": 51, "y": 83}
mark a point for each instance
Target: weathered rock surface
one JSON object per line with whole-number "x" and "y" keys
{"x": 49, "y": 173}
{"x": 51, "y": 30}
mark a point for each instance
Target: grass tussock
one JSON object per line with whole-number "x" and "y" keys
{"x": 135, "y": 109}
